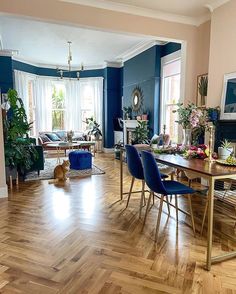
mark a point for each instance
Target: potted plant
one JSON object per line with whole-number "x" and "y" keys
{"x": 202, "y": 89}
{"x": 19, "y": 149}
{"x": 154, "y": 143}
{"x": 225, "y": 149}
{"x": 93, "y": 128}
{"x": 141, "y": 132}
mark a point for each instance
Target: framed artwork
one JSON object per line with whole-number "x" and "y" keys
{"x": 228, "y": 100}
{"x": 202, "y": 85}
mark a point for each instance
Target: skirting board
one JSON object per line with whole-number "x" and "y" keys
{"x": 3, "y": 192}
{"x": 108, "y": 150}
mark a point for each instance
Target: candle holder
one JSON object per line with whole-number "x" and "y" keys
{"x": 210, "y": 144}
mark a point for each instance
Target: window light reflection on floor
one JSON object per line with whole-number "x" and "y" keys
{"x": 61, "y": 205}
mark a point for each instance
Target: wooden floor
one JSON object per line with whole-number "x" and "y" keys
{"x": 77, "y": 238}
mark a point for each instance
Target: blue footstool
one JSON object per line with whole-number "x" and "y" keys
{"x": 80, "y": 160}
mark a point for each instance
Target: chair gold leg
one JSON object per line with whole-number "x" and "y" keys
{"x": 168, "y": 205}
{"x": 176, "y": 209}
{"x": 159, "y": 218}
{"x": 191, "y": 213}
{"x": 204, "y": 216}
{"x": 130, "y": 191}
{"x": 148, "y": 204}
{"x": 141, "y": 200}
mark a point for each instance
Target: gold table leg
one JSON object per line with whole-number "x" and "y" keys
{"x": 121, "y": 174}
{"x": 58, "y": 155}
{"x": 210, "y": 223}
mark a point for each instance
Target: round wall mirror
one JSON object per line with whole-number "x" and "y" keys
{"x": 137, "y": 99}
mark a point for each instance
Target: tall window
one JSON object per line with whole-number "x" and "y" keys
{"x": 170, "y": 94}
{"x": 31, "y": 108}
{"x": 87, "y": 107}
{"x": 58, "y": 106}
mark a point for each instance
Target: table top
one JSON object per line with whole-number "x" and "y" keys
{"x": 196, "y": 165}
{"x": 68, "y": 145}
{"x": 63, "y": 145}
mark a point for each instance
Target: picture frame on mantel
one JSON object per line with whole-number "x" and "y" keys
{"x": 228, "y": 100}
{"x": 202, "y": 85}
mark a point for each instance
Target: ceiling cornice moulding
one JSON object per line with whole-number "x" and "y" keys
{"x": 136, "y": 50}
{"x": 216, "y": 4}
{"x": 139, "y": 11}
{"x": 51, "y": 66}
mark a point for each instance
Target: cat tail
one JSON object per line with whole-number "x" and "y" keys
{"x": 53, "y": 181}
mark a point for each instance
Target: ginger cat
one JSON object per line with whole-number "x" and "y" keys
{"x": 60, "y": 171}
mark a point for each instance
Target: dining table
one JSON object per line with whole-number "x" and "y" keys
{"x": 211, "y": 171}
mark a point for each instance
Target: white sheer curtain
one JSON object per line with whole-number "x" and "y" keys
{"x": 43, "y": 104}
{"x": 93, "y": 88}
{"x": 21, "y": 80}
{"x": 73, "y": 119}
{"x": 97, "y": 84}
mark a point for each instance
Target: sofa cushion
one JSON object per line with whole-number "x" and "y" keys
{"x": 61, "y": 134}
{"x": 53, "y": 137}
{"x": 44, "y": 138}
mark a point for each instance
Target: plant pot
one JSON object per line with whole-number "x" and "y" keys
{"x": 223, "y": 153}
{"x": 11, "y": 172}
{"x": 154, "y": 146}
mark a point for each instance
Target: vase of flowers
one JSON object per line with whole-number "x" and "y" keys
{"x": 191, "y": 118}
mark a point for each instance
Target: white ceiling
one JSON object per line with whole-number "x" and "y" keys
{"x": 46, "y": 43}
{"x": 192, "y": 12}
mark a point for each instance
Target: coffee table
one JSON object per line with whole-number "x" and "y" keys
{"x": 59, "y": 146}
{"x": 86, "y": 145}
{"x": 62, "y": 146}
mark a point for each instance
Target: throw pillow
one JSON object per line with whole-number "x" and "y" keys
{"x": 53, "y": 137}
{"x": 44, "y": 138}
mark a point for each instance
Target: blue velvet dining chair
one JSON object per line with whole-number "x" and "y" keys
{"x": 135, "y": 168}
{"x": 156, "y": 185}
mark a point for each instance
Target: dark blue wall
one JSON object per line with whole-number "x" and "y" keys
{"x": 6, "y": 77}
{"x": 144, "y": 70}
{"x": 170, "y": 48}
{"x": 112, "y": 102}
{"x": 53, "y": 72}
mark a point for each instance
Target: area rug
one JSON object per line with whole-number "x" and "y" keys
{"x": 49, "y": 166}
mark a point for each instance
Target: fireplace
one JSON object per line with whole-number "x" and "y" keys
{"x": 225, "y": 129}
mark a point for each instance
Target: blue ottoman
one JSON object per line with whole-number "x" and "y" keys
{"x": 80, "y": 160}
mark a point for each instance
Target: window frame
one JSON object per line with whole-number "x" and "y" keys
{"x": 177, "y": 55}
{"x": 59, "y": 109}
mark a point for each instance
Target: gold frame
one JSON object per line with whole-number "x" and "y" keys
{"x": 198, "y": 96}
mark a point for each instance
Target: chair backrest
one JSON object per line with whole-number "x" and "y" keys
{"x": 151, "y": 173}
{"x": 134, "y": 162}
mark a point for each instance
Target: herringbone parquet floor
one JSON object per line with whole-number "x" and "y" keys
{"x": 76, "y": 238}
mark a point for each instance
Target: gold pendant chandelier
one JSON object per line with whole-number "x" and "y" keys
{"x": 69, "y": 72}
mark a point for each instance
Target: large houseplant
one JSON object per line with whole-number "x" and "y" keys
{"x": 19, "y": 150}
{"x": 140, "y": 134}
{"x": 94, "y": 128}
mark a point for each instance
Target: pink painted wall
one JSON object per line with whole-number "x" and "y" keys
{"x": 222, "y": 49}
